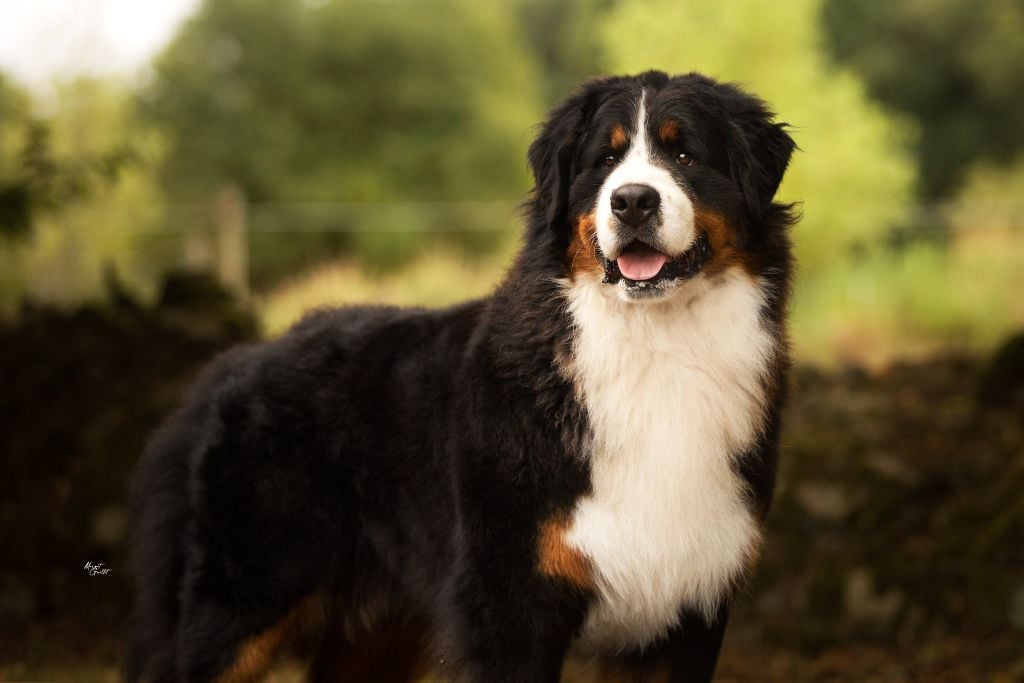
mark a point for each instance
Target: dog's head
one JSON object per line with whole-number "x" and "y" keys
{"x": 648, "y": 182}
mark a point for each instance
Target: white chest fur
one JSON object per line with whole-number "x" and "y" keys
{"x": 674, "y": 394}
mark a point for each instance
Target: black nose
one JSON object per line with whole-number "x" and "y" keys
{"x": 634, "y": 203}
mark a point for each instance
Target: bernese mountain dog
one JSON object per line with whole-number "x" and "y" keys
{"x": 576, "y": 466}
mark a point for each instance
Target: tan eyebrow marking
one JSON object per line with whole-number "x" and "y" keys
{"x": 668, "y": 131}
{"x": 619, "y": 137}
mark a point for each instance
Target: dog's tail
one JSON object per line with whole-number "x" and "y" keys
{"x": 160, "y": 503}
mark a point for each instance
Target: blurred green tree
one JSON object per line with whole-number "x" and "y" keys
{"x": 14, "y": 190}
{"x": 956, "y": 68}
{"x": 34, "y": 179}
{"x": 75, "y": 193}
{"x": 392, "y": 107}
{"x": 564, "y": 37}
{"x": 852, "y": 185}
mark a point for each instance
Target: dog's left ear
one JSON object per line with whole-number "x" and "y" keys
{"x": 759, "y": 149}
{"x": 552, "y": 158}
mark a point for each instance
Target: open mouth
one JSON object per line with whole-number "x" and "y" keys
{"x": 641, "y": 266}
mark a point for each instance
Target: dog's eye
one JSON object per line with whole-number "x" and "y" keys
{"x": 684, "y": 159}
{"x": 609, "y": 161}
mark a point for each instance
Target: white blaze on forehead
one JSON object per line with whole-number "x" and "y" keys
{"x": 676, "y": 230}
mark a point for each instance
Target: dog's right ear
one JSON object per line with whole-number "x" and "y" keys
{"x": 552, "y": 158}
{"x": 759, "y": 149}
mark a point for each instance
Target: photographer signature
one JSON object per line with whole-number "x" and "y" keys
{"x": 96, "y": 569}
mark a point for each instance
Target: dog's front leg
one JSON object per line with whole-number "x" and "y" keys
{"x": 504, "y": 618}
{"x": 515, "y": 631}
{"x": 688, "y": 654}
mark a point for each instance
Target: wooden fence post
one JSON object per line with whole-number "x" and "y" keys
{"x": 232, "y": 247}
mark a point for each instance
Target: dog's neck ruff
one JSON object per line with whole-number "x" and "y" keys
{"x": 674, "y": 391}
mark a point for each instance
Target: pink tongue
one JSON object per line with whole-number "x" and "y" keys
{"x": 641, "y": 263}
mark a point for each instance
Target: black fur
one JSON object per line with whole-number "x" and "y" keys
{"x": 404, "y": 459}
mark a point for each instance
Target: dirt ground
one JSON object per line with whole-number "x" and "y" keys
{"x": 895, "y": 547}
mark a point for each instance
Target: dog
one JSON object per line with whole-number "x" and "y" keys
{"x": 576, "y": 466}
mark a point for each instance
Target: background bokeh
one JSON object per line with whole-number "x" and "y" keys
{"x": 251, "y": 159}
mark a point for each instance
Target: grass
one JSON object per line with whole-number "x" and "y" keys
{"x": 435, "y": 278}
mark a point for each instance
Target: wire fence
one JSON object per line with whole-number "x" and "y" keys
{"x": 249, "y": 244}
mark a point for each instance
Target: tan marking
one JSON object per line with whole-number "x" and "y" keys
{"x": 619, "y": 137}
{"x": 582, "y": 254}
{"x": 557, "y": 558}
{"x": 255, "y": 655}
{"x": 669, "y": 131}
{"x": 723, "y": 239}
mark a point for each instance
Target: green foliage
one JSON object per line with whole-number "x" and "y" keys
{"x": 849, "y": 174}
{"x": 348, "y": 101}
{"x": 564, "y": 37}
{"x": 954, "y": 67}
{"x": 90, "y": 196}
{"x": 34, "y": 179}
{"x": 392, "y": 130}
{"x": 14, "y": 192}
